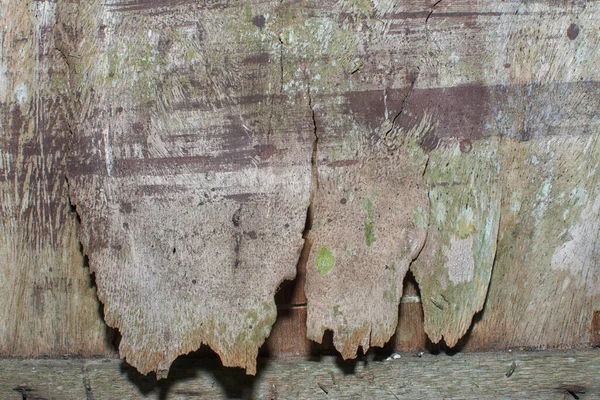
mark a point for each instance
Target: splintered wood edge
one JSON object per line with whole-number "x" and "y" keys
{"x": 534, "y": 375}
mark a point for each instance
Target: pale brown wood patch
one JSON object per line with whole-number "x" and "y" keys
{"x": 47, "y": 299}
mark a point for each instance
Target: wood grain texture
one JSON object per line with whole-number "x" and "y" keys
{"x": 547, "y": 257}
{"x": 549, "y": 181}
{"x": 535, "y": 375}
{"x": 47, "y": 298}
{"x": 369, "y": 207}
{"x": 526, "y": 108}
{"x": 191, "y": 174}
{"x": 474, "y": 95}
{"x": 198, "y": 133}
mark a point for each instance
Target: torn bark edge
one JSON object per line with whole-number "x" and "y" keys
{"x": 231, "y": 355}
{"x": 162, "y": 371}
{"x": 349, "y": 349}
{"x": 453, "y": 341}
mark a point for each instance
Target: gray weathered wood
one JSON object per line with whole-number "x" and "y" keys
{"x": 548, "y": 251}
{"x": 545, "y": 165}
{"x": 514, "y": 375}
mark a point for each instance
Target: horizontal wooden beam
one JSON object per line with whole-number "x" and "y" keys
{"x": 531, "y": 375}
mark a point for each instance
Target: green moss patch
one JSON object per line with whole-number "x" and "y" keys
{"x": 325, "y": 261}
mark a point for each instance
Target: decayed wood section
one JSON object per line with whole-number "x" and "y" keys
{"x": 193, "y": 200}
{"x": 363, "y": 240}
{"x": 455, "y": 266}
{"x": 517, "y": 375}
{"x": 199, "y": 140}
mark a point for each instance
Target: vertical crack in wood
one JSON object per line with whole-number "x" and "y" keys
{"x": 270, "y": 128}
{"x": 72, "y": 205}
{"x": 403, "y": 104}
{"x": 314, "y": 168}
{"x": 427, "y": 20}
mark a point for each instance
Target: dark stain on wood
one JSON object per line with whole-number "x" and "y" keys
{"x": 265, "y": 151}
{"x": 573, "y": 31}
{"x": 259, "y": 21}
{"x": 424, "y": 14}
{"x": 342, "y": 163}
{"x": 461, "y": 112}
{"x": 260, "y": 58}
{"x": 465, "y": 146}
{"x": 572, "y": 390}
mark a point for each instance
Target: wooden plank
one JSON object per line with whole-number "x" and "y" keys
{"x": 514, "y": 375}
{"x": 288, "y": 336}
{"x": 48, "y": 305}
{"x": 516, "y": 103}
{"x": 43, "y": 379}
{"x": 545, "y": 287}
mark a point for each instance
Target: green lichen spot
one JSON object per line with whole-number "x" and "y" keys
{"x": 366, "y": 207}
{"x": 336, "y": 311}
{"x": 325, "y": 261}
{"x": 515, "y": 203}
{"x": 369, "y": 231}
{"x": 348, "y": 251}
{"x": 420, "y": 218}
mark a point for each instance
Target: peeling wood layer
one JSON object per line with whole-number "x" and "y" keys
{"x": 368, "y": 227}
{"x": 454, "y": 268}
{"x": 193, "y": 199}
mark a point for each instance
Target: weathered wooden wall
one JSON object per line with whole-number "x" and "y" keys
{"x": 208, "y": 146}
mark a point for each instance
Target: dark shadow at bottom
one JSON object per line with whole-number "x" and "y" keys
{"x": 234, "y": 382}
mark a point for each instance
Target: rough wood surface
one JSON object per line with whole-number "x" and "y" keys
{"x": 198, "y": 134}
{"x": 545, "y": 283}
{"x": 549, "y": 227}
{"x": 191, "y": 174}
{"x": 47, "y": 298}
{"x": 546, "y": 108}
{"x": 364, "y": 237}
{"x": 454, "y": 268}
{"x": 516, "y": 375}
